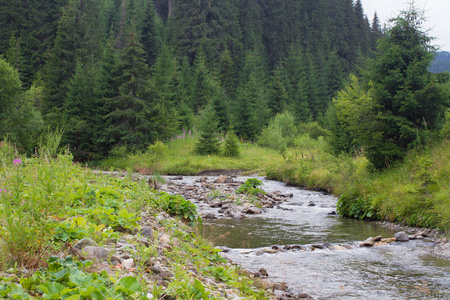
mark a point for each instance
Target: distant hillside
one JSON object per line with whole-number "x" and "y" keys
{"x": 441, "y": 63}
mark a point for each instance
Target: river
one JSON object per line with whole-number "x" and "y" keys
{"x": 395, "y": 271}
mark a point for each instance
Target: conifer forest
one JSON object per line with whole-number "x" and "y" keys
{"x": 130, "y": 72}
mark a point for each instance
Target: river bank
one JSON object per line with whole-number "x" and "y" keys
{"x": 256, "y": 235}
{"x": 70, "y": 233}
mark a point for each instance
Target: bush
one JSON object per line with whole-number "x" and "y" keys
{"x": 176, "y": 205}
{"x": 280, "y": 133}
{"x": 445, "y": 132}
{"x": 250, "y": 187}
{"x": 314, "y": 130}
{"x": 158, "y": 149}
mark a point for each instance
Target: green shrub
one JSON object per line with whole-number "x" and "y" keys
{"x": 208, "y": 142}
{"x": 280, "y": 133}
{"x": 119, "y": 151}
{"x": 158, "y": 149}
{"x": 445, "y": 132}
{"x": 314, "y": 130}
{"x": 176, "y": 205}
{"x": 250, "y": 187}
{"x": 231, "y": 147}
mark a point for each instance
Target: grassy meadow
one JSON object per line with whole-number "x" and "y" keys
{"x": 178, "y": 157}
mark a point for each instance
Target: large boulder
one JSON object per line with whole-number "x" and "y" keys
{"x": 85, "y": 242}
{"x": 401, "y": 236}
{"x": 95, "y": 253}
{"x": 221, "y": 179}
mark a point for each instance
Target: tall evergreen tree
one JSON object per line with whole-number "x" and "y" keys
{"x": 251, "y": 108}
{"x": 403, "y": 102}
{"x": 80, "y": 110}
{"x": 150, "y": 36}
{"x": 163, "y": 88}
{"x": 278, "y": 96}
{"x": 129, "y": 120}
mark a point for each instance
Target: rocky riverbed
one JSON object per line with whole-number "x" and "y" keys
{"x": 217, "y": 201}
{"x": 216, "y": 198}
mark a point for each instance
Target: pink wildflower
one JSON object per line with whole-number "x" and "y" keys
{"x": 17, "y": 161}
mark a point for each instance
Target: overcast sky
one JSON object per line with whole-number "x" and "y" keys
{"x": 436, "y": 11}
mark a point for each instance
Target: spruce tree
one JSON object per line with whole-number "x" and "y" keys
{"x": 150, "y": 36}
{"x": 402, "y": 103}
{"x": 129, "y": 119}
{"x": 208, "y": 142}
{"x": 278, "y": 96}
{"x": 80, "y": 109}
{"x": 163, "y": 89}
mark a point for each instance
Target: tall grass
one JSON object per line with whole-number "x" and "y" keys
{"x": 415, "y": 192}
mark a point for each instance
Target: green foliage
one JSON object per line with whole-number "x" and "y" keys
{"x": 208, "y": 142}
{"x": 19, "y": 119}
{"x": 250, "y": 187}
{"x": 178, "y": 206}
{"x": 445, "y": 132}
{"x": 231, "y": 145}
{"x": 414, "y": 192}
{"x": 66, "y": 278}
{"x": 158, "y": 149}
{"x": 353, "y": 205}
{"x": 314, "y": 130}
{"x": 181, "y": 158}
{"x": 407, "y": 103}
{"x": 50, "y": 203}
{"x": 280, "y": 133}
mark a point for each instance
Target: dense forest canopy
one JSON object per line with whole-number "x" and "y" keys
{"x": 131, "y": 72}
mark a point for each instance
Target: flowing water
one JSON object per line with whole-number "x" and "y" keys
{"x": 396, "y": 271}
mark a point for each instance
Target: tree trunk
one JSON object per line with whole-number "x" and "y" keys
{"x": 171, "y": 6}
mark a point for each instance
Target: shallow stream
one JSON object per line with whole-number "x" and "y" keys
{"x": 396, "y": 271}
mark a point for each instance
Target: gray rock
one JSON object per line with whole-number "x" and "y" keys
{"x": 368, "y": 243}
{"x": 221, "y": 179}
{"x": 262, "y": 273}
{"x": 209, "y": 216}
{"x": 378, "y": 238}
{"x": 95, "y": 253}
{"x": 147, "y": 232}
{"x": 401, "y": 236}
{"x": 287, "y": 195}
{"x": 229, "y": 180}
{"x": 164, "y": 239}
{"x": 85, "y": 242}
{"x": 252, "y": 211}
{"x": 215, "y": 204}
{"x": 317, "y": 246}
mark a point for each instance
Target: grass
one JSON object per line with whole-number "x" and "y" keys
{"x": 178, "y": 157}
{"x": 49, "y": 203}
{"x": 415, "y": 192}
